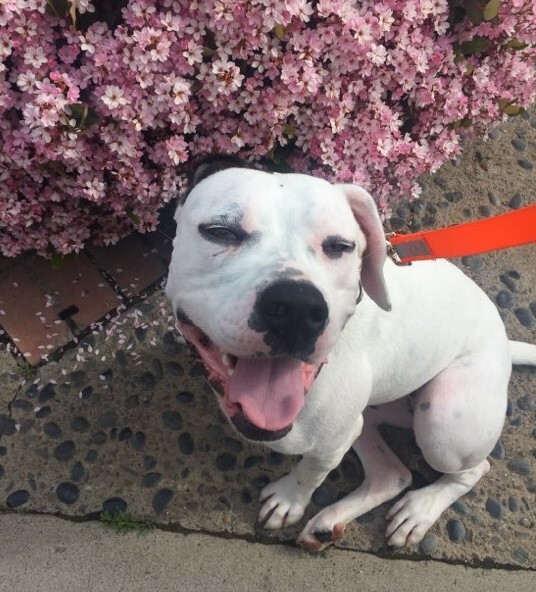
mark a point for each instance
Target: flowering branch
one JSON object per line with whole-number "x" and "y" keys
{"x": 102, "y": 104}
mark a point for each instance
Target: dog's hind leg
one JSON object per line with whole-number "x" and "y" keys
{"x": 458, "y": 419}
{"x": 385, "y": 478}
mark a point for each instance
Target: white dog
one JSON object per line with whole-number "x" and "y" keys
{"x": 266, "y": 272}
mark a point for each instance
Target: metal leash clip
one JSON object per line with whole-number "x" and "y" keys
{"x": 391, "y": 251}
{"x": 181, "y": 339}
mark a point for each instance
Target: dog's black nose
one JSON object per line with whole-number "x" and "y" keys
{"x": 293, "y": 314}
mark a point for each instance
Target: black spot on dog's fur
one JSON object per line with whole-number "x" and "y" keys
{"x": 214, "y": 164}
{"x": 254, "y": 433}
{"x": 182, "y": 317}
{"x": 323, "y": 536}
{"x": 207, "y": 165}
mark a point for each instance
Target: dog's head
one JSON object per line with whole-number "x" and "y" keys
{"x": 265, "y": 273}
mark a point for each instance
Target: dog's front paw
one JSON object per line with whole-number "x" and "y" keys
{"x": 284, "y": 502}
{"x": 321, "y": 531}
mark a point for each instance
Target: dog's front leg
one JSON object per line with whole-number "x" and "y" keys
{"x": 284, "y": 501}
{"x": 385, "y": 478}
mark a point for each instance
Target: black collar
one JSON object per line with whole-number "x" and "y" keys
{"x": 360, "y": 295}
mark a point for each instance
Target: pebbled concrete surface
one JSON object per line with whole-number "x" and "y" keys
{"x": 125, "y": 423}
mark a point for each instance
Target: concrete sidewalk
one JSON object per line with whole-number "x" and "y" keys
{"x": 46, "y": 554}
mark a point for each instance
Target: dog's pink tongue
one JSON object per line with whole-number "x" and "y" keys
{"x": 270, "y": 391}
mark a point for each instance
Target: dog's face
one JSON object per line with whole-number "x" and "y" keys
{"x": 264, "y": 275}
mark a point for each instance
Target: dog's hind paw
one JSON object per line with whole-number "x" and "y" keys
{"x": 411, "y": 518}
{"x": 284, "y": 503}
{"x": 315, "y": 539}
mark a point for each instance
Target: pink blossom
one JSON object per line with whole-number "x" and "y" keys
{"x": 35, "y": 56}
{"x": 113, "y": 97}
{"x": 177, "y": 149}
{"x": 227, "y": 75}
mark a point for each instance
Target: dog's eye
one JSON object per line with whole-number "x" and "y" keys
{"x": 335, "y": 246}
{"x": 223, "y": 235}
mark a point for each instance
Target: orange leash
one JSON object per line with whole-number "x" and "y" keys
{"x": 499, "y": 232}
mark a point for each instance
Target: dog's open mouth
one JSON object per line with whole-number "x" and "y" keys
{"x": 262, "y": 396}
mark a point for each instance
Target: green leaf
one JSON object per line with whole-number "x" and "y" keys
{"x": 279, "y": 31}
{"x": 58, "y": 260}
{"x": 491, "y": 10}
{"x": 475, "y": 45}
{"x": 289, "y": 130}
{"x": 512, "y": 109}
{"x": 123, "y": 522}
{"x": 83, "y": 115}
{"x": 465, "y": 122}
{"x": 456, "y": 13}
{"x": 274, "y": 155}
{"x": 133, "y": 217}
{"x": 515, "y": 44}
{"x": 58, "y": 8}
{"x": 473, "y": 11}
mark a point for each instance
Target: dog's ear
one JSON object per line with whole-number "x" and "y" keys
{"x": 366, "y": 214}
